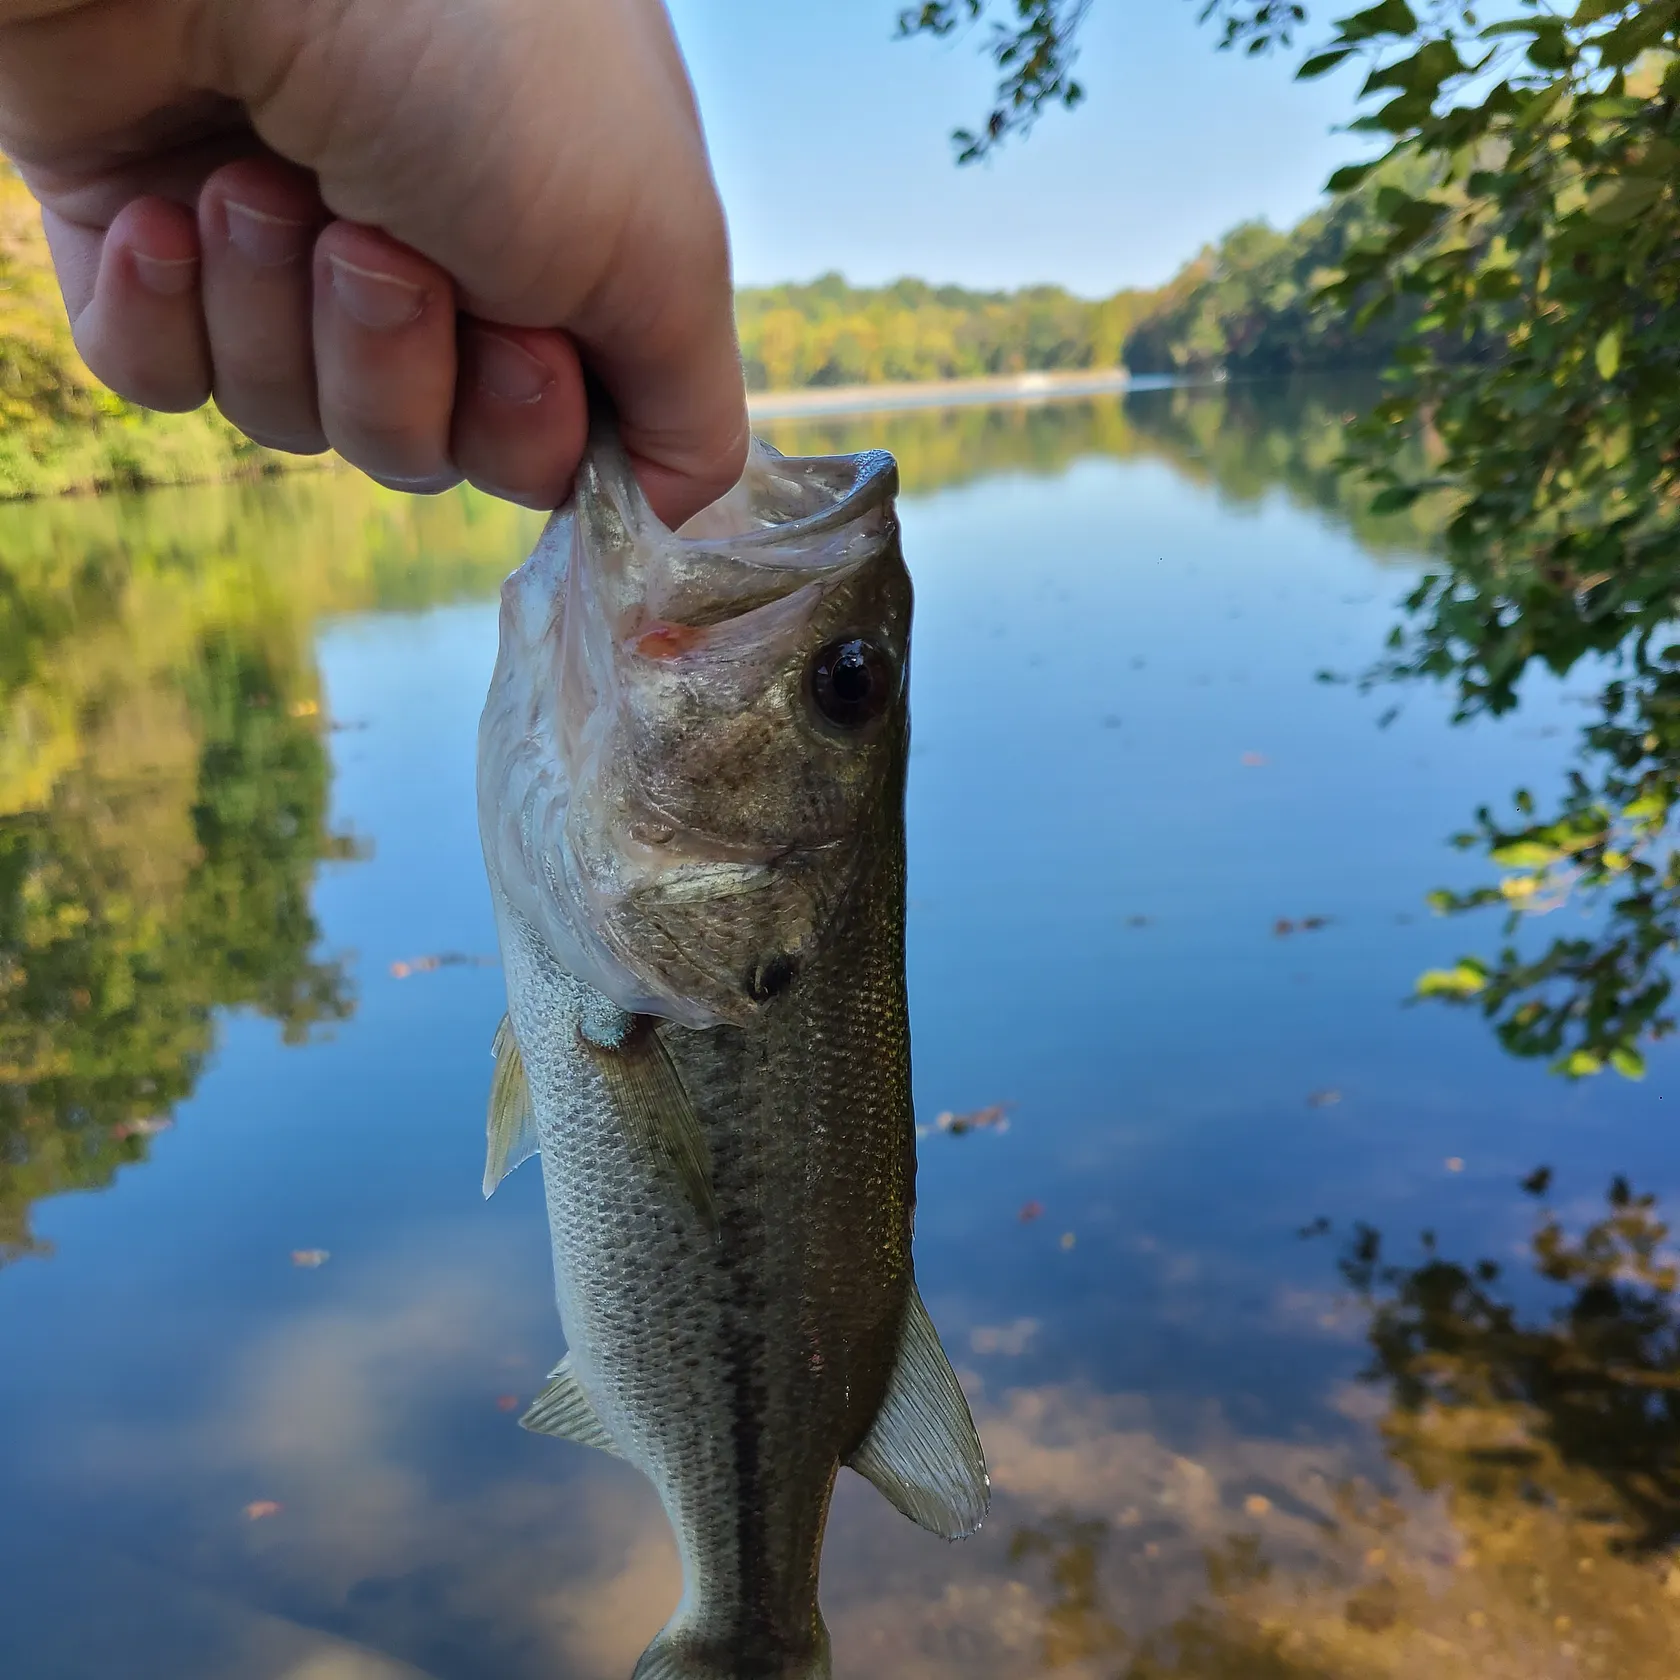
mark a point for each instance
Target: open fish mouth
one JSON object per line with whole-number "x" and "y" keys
{"x": 688, "y": 729}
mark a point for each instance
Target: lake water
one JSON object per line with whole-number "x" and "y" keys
{"x": 262, "y": 1342}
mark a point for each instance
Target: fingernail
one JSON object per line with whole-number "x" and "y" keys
{"x": 508, "y": 370}
{"x": 165, "y": 276}
{"x": 265, "y": 240}
{"x": 380, "y": 302}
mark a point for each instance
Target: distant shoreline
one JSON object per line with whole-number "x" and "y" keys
{"x": 815, "y": 400}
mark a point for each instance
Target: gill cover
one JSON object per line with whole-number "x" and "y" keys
{"x": 658, "y": 794}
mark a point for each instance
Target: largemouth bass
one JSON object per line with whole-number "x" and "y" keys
{"x": 691, "y": 799}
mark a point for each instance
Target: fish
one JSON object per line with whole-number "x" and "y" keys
{"x": 691, "y": 782}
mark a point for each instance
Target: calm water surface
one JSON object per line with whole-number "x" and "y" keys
{"x": 262, "y": 1342}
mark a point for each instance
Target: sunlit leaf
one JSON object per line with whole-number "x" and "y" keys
{"x": 1607, "y": 357}
{"x": 1627, "y": 1062}
{"x": 1463, "y": 980}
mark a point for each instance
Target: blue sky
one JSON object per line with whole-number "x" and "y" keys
{"x": 830, "y": 141}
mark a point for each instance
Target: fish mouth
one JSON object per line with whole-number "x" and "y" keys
{"x": 788, "y": 523}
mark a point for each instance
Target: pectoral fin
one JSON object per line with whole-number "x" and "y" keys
{"x": 659, "y": 1119}
{"x": 563, "y": 1410}
{"x": 510, "y": 1127}
{"x": 923, "y": 1452}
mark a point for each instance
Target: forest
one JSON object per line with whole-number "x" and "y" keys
{"x": 1245, "y": 304}
{"x": 829, "y": 333}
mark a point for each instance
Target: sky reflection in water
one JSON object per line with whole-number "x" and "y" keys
{"x": 1124, "y": 780}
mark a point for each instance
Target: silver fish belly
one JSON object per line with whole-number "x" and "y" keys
{"x": 691, "y": 798}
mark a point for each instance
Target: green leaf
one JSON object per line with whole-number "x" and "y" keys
{"x": 1648, "y": 808}
{"x": 1525, "y": 854}
{"x": 1349, "y": 176}
{"x": 1580, "y": 1064}
{"x": 1627, "y": 1062}
{"x": 1321, "y": 64}
{"x": 1391, "y": 17}
{"x": 1608, "y": 356}
{"x": 1620, "y": 198}
{"x": 1463, "y": 980}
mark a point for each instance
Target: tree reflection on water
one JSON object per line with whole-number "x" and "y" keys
{"x": 1531, "y": 1413}
{"x": 164, "y": 786}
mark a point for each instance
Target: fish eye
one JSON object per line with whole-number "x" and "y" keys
{"x": 853, "y": 682}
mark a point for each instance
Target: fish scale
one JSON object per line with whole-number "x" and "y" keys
{"x": 738, "y": 1301}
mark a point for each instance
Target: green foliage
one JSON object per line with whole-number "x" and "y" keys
{"x": 1251, "y": 306}
{"x": 828, "y": 333}
{"x": 1032, "y": 45}
{"x": 1540, "y": 381}
{"x": 1510, "y": 259}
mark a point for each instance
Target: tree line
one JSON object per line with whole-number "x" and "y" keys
{"x": 1245, "y": 304}
{"x": 826, "y": 332}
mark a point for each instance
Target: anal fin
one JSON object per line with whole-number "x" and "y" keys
{"x": 509, "y": 1125}
{"x": 564, "y": 1410}
{"x": 923, "y": 1452}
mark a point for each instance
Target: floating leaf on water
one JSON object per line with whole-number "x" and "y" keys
{"x": 442, "y": 959}
{"x": 1031, "y": 1211}
{"x": 992, "y": 1119}
{"x": 310, "y": 1258}
{"x": 260, "y": 1508}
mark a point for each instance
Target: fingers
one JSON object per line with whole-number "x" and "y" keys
{"x": 384, "y": 321}
{"x": 521, "y": 414}
{"x": 673, "y": 369}
{"x": 257, "y": 224}
{"x": 133, "y": 298}
{"x": 314, "y": 336}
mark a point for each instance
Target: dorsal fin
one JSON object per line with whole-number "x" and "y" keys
{"x": 923, "y": 1452}
{"x": 658, "y": 1117}
{"x": 563, "y": 1410}
{"x": 509, "y": 1125}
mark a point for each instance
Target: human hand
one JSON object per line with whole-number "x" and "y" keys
{"x": 390, "y": 227}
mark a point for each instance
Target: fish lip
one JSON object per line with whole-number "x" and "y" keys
{"x": 874, "y": 480}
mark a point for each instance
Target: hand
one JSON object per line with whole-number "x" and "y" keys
{"x": 390, "y": 227}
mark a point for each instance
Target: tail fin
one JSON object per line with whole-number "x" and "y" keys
{"x": 678, "y": 1655}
